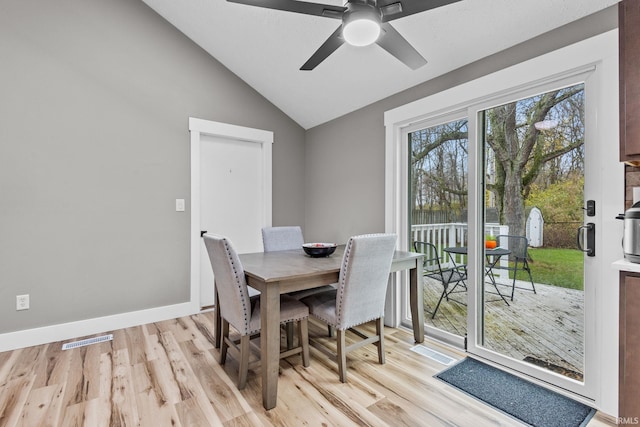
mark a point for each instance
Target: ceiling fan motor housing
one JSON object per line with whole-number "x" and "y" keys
{"x": 361, "y": 10}
{"x": 361, "y": 23}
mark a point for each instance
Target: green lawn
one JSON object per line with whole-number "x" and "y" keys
{"x": 559, "y": 267}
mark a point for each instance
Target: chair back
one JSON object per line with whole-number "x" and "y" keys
{"x": 362, "y": 284}
{"x": 282, "y": 238}
{"x": 516, "y": 244}
{"x": 431, "y": 259}
{"x": 230, "y": 282}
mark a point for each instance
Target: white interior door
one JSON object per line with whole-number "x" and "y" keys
{"x": 231, "y": 194}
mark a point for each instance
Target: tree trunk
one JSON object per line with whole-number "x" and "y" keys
{"x": 513, "y": 212}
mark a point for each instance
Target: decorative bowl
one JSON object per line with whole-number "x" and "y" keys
{"x": 317, "y": 250}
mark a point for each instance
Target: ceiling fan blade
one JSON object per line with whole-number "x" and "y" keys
{"x": 393, "y": 42}
{"x": 334, "y": 41}
{"x": 318, "y": 9}
{"x": 394, "y": 9}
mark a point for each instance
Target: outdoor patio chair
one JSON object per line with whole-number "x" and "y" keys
{"x": 450, "y": 278}
{"x": 237, "y": 310}
{"x": 518, "y": 245}
{"x": 360, "y": 294}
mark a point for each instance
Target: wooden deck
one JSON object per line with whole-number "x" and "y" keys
{"x": 545, "y": 328}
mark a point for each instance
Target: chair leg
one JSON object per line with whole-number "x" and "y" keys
{"x": 303, "y": 338}
{"x": 513, "y": 285}
{"x": 244, "y": 361}
{"x": 380, "y": 343}
{"x": 330, "y": 331}
{"x": 342, "y": 355}
{"x": 224, "y": 333}
{"x": 526, "y": 267}
{"x": 289, "y": 330}
{"x": 444, "y": 293}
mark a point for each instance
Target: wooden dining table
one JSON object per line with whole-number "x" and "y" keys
{"x": 279, "y": 272}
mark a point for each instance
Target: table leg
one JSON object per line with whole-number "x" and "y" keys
{"x": 270, "y": 343}
{"x": 417, "y": 304}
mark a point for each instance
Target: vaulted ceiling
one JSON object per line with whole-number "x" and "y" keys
{"x": 266, "y": 47}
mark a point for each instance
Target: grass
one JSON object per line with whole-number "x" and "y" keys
{"x": 558, "y": 267}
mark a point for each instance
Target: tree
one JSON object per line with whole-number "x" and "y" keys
{"x": 439, "y": 166}
{"x": 526, "y": 137}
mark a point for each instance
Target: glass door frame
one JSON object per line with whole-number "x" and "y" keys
{"x": 593, "y": 190}
{"x": 599, "y": 53}
{"x": 439, "y": 334}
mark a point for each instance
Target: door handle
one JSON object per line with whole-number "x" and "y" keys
{"x": 591, "y": 238}
{"x": 203, "y": 232}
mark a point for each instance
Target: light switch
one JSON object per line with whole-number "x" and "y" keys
{"x": 179, "y": 205}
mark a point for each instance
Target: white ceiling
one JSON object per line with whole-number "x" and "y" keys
{"x": 266, "y": 47}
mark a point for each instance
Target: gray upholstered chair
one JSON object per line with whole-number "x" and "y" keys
{"x": 237, "y": 310}
{"x": 360, "y": 294}
{"x": 282, "y": 238}
{"x": 288, "y": 238}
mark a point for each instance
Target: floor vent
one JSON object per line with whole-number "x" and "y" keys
{"x": 88, "y": 341}
{"x": 432, "y": 354}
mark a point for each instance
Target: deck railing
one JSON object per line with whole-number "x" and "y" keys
{"x": 454, "y": 234}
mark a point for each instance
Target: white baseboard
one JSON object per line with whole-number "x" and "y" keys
{"x": 64, "y": 331}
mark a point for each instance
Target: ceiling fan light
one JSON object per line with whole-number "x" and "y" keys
{"x": 361, "y": 32}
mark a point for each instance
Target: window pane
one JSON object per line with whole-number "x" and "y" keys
{"x": 438, "y": 211}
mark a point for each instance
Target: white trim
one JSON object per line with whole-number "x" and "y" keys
{"x": 199, "y": 127}
{"x": 598, "y": 53}
{"x": 65, "y": 331}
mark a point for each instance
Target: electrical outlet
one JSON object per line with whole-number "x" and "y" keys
{"x": 22, "y": 302}
{"x": 180, "y": 205}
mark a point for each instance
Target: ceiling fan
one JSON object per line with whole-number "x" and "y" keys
{"x": 363, "y": 22}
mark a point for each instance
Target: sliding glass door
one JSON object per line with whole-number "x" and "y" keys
{"x": 511, "y": 171}
{"x": 532, "y": 304}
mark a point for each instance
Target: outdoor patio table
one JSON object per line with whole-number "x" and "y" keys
{"x": 279, "y": 272}
{"x": 493, "y": 257}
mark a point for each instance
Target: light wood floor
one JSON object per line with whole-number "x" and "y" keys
{"x": 166, "y": 374}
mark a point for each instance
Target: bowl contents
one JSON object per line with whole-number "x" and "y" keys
{"x": 317, "y": 250}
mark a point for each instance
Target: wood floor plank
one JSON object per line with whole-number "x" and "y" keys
{"x": 333, "y": 399}
{"x": 124, "y": 411}
{"x": 190, "y": 386}
{"x": 215, "y": 383}
{"x": 43, "y": 407}
{"x": 154, "y": 412}
{"x": 73, "y": 416}
{"x": 13, "y": 396}
{"x": 191, "y": 414}
{"x": 99, "y": 412}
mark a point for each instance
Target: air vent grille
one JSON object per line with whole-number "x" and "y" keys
{"x": 88, "y": 341}
{"x": 433, "y": 354}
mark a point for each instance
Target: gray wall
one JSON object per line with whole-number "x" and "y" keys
{"x": 94, "y": 149}
{"x": 345, "y": 157}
